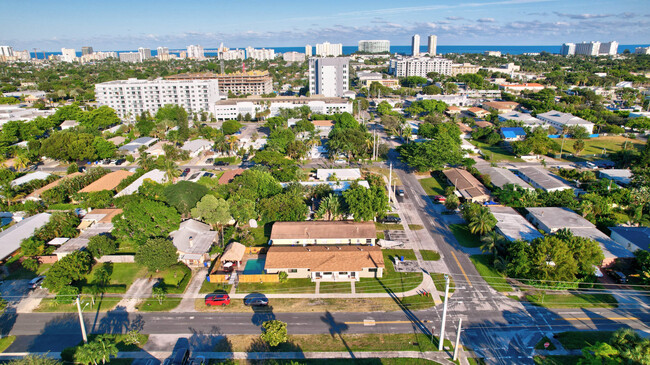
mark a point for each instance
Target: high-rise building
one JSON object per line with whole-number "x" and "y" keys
{"x": 86, "y": 51}
{"x": 328, "y": 77}
{"x": 419, "y": 66}
{"x": 260, "y": 54}
{"x": 608, "y": 49}
{"x": 588, "y": 48}
{"x": 568, "y": 49}
{"x": 328, "y": 49}
{"x": 433, "y": 45}
{"x": 374, "y": 46}
{"x": 415, "y": 45}
{"x": 133, "y": 57}
{"x": 68, "y": 55}
{"x": 293, "y": 57}
{"x": 195, "y": 52}
{"x": 250, "y": 82}
{"x": 231, "y": 54}
{"x": 145, "y": 53}
{"x": 642, "y": 50}
{"x": 163, "y": 53}
{"x": 133, "y": 96}
{"x": 309, "y": 51}
{"x": 6, "y": 51}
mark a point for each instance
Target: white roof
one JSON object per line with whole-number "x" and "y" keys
{"x": 563, "y": 118}
{"x": 193, "y": 237}
{"x": 512, "y": 225}
{"x": 337, "y": 186}
{"x": 341, "y": 174}
{"x": 58, "y": 241}
{"x": 11, "y": 237}
{"x": 197, "y": 144}
{"x": 501, "y": 177}
{"x": 521, "y": 117}
{"x": 38, "y": 175}
{"x": 155, "y": 175}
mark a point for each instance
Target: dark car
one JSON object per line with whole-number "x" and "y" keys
{"x": 256, "y": 302}
{"x": 221, "y": 163}
{"x": 619, "y": 277}
{"x": 209, "y": 160}
{"x": 120, "y": 161}
{"x": 36, "y": 282}
{"x": 391, "y": 219}
{"x": 180, "y": 357}
{"x": 217, "y": 299}
{"x": 400, "y": 192}
{"x": 185, "y": 172}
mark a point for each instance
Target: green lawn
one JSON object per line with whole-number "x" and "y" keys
{"x": 261, "y": 235}
{"x": 464, "y": 236}
{"x": 175, "y": 278}
{"x": 304, "y": 285}
{"x": 433, "y": 186}
{"x": 573, "y": 300}
{"x": 153, "y": 305}
{"x": 576, "y": 340}
{"x": 415, "y": 227}
{"x": 376, "y": 361}
{"x": 338, "y": 287}
{"x": 122, "y": 276}
{"x": 119, "y": 341}
{"x": 380, "y": 235}
{"x": 439, "y": 281}
{"x": 557, "y": 359}
{"x": 391, "y": 280}
{"x": 208, "y": 287}
{"x": 5, "y": 342}
{"x": 496, "y": 153}
{"x": 489, "y": 274}
{"x": 540, "y": 344}
{"x": 101, "y": 304}
{"x": 389, "y": 226}
{"x": 430, "y": 255}
{"x": 594, "y": 146}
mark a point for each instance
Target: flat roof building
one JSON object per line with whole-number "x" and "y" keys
{"x": 501, "y": 177}
{"x": 512, "y": 225}
{"x": 374, "y": 46}
{"x": 241, "y": 82}
{"x": 620, "y": 176}
{"x": 540, "y": 178}
{"x": 419, "y": 66}
{"x": 327, "y": 49}
{"x": 560, "y": 120}
{"x": 11, "y": 237}
{"x": 341, "y": 174}
{"x": 231, "y": 108}
{"x": 525, "y": 118}
{"x": 632, "y": 238}
{"x": 329, "y": 77}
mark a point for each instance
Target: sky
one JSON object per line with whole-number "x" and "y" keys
{"x": 124, "y": 25}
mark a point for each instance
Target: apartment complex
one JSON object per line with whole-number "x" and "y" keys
{"x": 590, "y": 49}
{"x": 131, "y": 97}
{"x": 560, "y": 120}
{"x": 163, "y": 54}
{"x": 309, "y": 50}
{"x": 132, "y": 57}
{"x": 232, "y": 108}
{"x": 419, "y": 66}
{"x": 463, "y": 68}
{"x": 328, "y": 49}
{"x": 328, "y": 77}
{"x": 68, "y": 55}
{"x": 433, "y": 45}
{"x": 293, "y": 57}
{"x": 374, "y": 46}
{"x": 86, "y": 51}
{"x": 415, "y": 45}
{"x": 195, "y": 52}
{"x": 260, "y": 54}
{"x": 250, "y": 82}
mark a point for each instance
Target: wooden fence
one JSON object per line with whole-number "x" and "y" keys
{"x": 219, "y": 278}
{"x": 256, "y": 250}
{"x": 259, "y": 278}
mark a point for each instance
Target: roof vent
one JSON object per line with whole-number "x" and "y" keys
{"x": 327, "y": 248}
{"x": 339, "y": 247}
{"x": 308, "y": 249}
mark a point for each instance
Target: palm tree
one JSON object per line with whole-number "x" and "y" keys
{"x": 20, "y": 162}
{"x": 330, "y": 207}
{"x": 481, "y": 223}
{"x": 491, "y": 243}
{"x": 171, "y": 170}
{"x": 145, "y": 161}
{"x": 232, "y": 142}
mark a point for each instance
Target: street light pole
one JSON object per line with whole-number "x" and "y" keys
{"x": 460, "y": 322}
{"x": 444, "y": 314}
{"x": 81, "y": 321}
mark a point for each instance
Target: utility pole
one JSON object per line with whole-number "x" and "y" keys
{"x": 390, "y": 179}
{"x": 460, "y": 322}
{"x": 444, "y": 314}
{"x": 81, "y": 321}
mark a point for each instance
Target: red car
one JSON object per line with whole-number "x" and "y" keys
{"x": 217, "y": 299}
{"x": 439, "y": 199}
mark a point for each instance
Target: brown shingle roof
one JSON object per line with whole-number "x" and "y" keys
{"x": 500, "y": 105}
{"x": 37, "y": 193}
{"x": 107, "y": 182}
{"x": 324, "y": 258}
{"x": 323, "y": 230}
{"x": 229, "y": 176}
{"x": 108, "y": 214}
{"x": 323, "y": 123}
{"x": 467, "y": 184}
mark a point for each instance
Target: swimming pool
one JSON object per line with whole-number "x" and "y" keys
{"x": 255, "y": 266}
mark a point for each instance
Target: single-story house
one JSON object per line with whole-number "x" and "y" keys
{"x": 67, "y": 124}
{"x": 478, "y": 112}
{"x": 632, "y": 238}
{"x": 193, "y": 240}
{"x": 512, "y": 134}
{"x": 501, "y": 177}
{"x": 157, "y": 149}
{"x": 553, "y": 219}
{"x": 107, "y": 182}
{"x": 135, "y": 145}
{"x": 560, "y": 120}
{"x": 453, "y": 110}
{"x": 38, "y": 175}
{"x": 467, "y": 185}
{"x": 465, "y": 130}
{"x": 233, "y": 253}
{"x": 541, "y": 178}
{"x": 619, "y": 176}
{"x": 117, "y": 140}
{"x": 500, "y": 106}
{"x": 340, "y": 174}
{"x": 466, "y": 145}
{"x": 94, "y": 223}
{"x": 326, "y": 263}
{"x": 36, "y": 194}
{"x": 323, "y": 233}
{"x": 153, "y": 175}
{"x": 72, "y": 245}
{"x": 517, "y": 88}
{"x": 197, "y": 146}
{"x": 11, "y": 237}
{"x": 230, "y": 175}
{"x": 483, "y": 124}
{"x": 324, "y": 127}
{"x": 336, "y": 186}
{"x": 512, "y": 225}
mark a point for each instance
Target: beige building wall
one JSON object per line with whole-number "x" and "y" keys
{"x": 331, "y": 241}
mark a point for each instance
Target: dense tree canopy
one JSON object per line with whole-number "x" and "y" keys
{"x": 143, "y": 219}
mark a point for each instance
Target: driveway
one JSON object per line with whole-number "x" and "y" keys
{"x": 192, "y": 291}
{"x": 140, "y": 289}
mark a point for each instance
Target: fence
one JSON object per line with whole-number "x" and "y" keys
{"x": 259, "y": 278}
{"x": 256, "y": 250}
{"x": 127, "y": 259}
{"x": 49, "y": 259}
{"x": 218, "y": 278}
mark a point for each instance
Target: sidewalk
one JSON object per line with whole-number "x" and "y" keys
{"x": 192, "y": 291}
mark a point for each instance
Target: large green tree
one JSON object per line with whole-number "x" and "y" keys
{"x": 157, "y": 254}
{"x": 275, "y": 332}
{"x": 184, "y": 195}
{"x": 142, "y": 219}
{"x": 366, "y": 204}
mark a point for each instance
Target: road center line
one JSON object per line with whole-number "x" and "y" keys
{"x": 461, "y": 269}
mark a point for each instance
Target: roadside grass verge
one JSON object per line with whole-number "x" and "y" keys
{"x": 430, "y": 255}
{"x": 464, "y": 236}
{"x": 335, "y": 287}
{"x": 496, "y": 153}
{"x": 208, "y": 287}
{"x": 121, "y": 276}
{"x": 302, "y": 285}
{"x": 576, "y": 340}
{"x": 5, "y": 342}
{"x": 153, "y": 305}
{"x": 439, "y": 281}
{"x": 573, "y": 300}
{"x": 391, "y": 281}
{"x": 484, "y": 267}
{"x": 433, "y": 186}
{"x": 101, "y": 304}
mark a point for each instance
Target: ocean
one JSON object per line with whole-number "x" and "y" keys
{"x": 513, "y": 50}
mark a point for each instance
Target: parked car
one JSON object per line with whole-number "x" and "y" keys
{"x": 439, "y": 199}
{"x": 210, "y": 160}
{"x": 400, "y": 192}
{"x": 256, "y": 302}
{"x": 391, "y": 219}
{"x": 36, "y": 282}
{"x": 185, "y": 172}
{"x": 221, "y": 163}
{"x": 217, "y": 299}
{"x": 619, "y": 277}
{"x": 120, "y": 161}
{"x": 180, "y": 357}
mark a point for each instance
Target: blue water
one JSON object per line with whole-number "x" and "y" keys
{"x": 400, "y": 49}
{"x": 254, "y": 266}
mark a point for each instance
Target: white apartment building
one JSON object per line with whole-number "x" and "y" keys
{"x": 492, "y": 53}
{"x": 163, "y": 53}
{"x": 68, "y": 55}
{"x": 6, "y": 51}
{"x": 231, "y": 108}
{"x": 433, "y": 45}
{"x": 133, "y": 57}
{"x": 374, "y": 46}
{"x": 231, "y": 54}
{"x": 608, "y": 49}
{"x": 642, "y": 50}
{"x": 415, "y": 45}
{"x": 559, "y": 120}
{"x": 131, "y": 97}
{"x": 195, "y": 52}
{"x": 260, "y": 54}
{"x": 145, "y": 53}
{"x": 293, "y": 57}
{"x": 588, "y": 48}
{"x": 568, "y": 49}
{"x": 309, "y": 51}
{"x": 328, "y": 49}
{"x": 98, "y": 56}
{"x": 329, "y": 76}
{"x": 419, "y": 66}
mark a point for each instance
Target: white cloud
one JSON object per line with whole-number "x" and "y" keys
{"x": 486, "y": 20}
